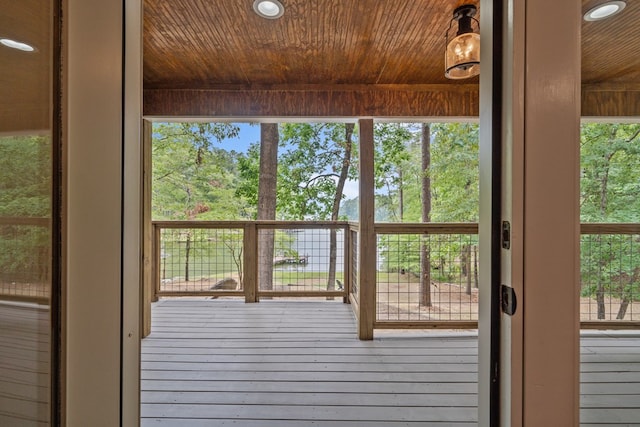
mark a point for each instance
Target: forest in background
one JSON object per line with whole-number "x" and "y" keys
{"x": 195, "y": 179}
{"x": 423, "y": 173}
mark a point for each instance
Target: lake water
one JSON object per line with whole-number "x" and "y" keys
{"x": 315, "y": 245}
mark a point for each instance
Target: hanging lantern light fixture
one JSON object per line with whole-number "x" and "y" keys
{"x": 462, "y": 55}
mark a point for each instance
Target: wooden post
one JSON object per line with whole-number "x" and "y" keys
{"x": 467, "y": 266}
{"x": 367, "y": 242}
{"x": 347, "y": 264}
{"x": 148, "y": 283}
{"x": 156, "y": 262}
{"x": 250, "y": 262}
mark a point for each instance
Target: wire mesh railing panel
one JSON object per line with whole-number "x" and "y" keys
{"x": 301, "y": 259}
{"x": 25, "y": 260}
{"x": 200, "y": 260}
{"x": 610, "y": 277}
{"x": 427, "y": 277}
{"x": 354, "y": 263}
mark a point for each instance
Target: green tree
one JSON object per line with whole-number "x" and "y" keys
{"x": 393, "y": 162}
{"x": 610, "y": 177}
{"x": 192, "y": 179}
{"x": 455, "y": 172}
{"x": 439, "y": 183}
{"x": 609, "y": 189}
{"x": 25, "y": 193}
{"x": 309, "y": 168}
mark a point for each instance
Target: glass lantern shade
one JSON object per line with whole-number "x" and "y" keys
{"x": 462, "y": 58}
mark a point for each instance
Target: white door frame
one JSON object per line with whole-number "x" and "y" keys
{"x": 536, "y": 126}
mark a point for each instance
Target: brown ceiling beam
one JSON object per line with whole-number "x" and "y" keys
{"x": 611, "y": 100}
{"x": 315, "y": 101}
{"x": 598, "y": 100}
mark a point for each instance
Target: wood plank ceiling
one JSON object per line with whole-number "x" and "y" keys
{"x": 339, "y": 57}
{"x": 323, "y": 57}
{"x": 25, "y": 77}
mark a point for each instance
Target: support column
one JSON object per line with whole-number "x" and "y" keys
{"x": 367, "y": 238}
{"x": 148, "y": 280}
{"x": 551, "y": 347}
{"x": 250, "y": 263}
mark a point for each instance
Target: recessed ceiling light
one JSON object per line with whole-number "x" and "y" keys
{"x": 17, "y": 45}
{"x": 270, "y": 9}
{"x": 604, "y": 10}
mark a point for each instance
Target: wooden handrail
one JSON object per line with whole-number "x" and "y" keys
{"x": 25, "y": 220}
{"x": 380, "y": 227}
{"x": 260, "y": 224}
{"x": 426, "y": 228}
{"x": 607, "y": 228}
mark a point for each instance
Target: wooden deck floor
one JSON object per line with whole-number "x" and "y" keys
{"x": 24, "y": 364}
{"x": 297, "y": 363}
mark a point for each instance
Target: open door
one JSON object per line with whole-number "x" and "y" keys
{"x": 529, "y": 221}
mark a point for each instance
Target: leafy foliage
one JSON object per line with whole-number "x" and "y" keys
{"x": 192, "y": 178}
{"x": 609, "y": 190}
{"x": 25, "y": 192}
{"x": 309, "y": 162}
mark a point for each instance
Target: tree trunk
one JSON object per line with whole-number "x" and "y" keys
{"x": 401, "y": 194}
{"x": 187, "y": 252}
{"x": 624, "y": 304}
{"x": 335, "y": 211}
{"x": 600, "y": 299}
{"x": 600, "y": 286}
{"x": 425, "y": 255}
{"x": 626, "y": 299}
{"x": 475, "y": 266}
{"x": 467, "y": 262}
{"x": 267, "y": 201}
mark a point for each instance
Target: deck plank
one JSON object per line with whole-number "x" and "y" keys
{"x": 24, "y": 364}
{"x": 298, "y": 363}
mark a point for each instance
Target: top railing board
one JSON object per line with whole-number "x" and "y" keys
{"x": 425, "y": 228}
{"x": 380, "y": 227}
{"x": 25, "y": 220}
{"x": 260, "y": 224}
{"x": 602, "y": 228}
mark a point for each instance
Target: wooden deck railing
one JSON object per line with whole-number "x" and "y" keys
{"x": 427, "y": 276}
{"x": 222, "y": 258}
{"x": 25, "y": 259}
{"x": 610, "y": 276}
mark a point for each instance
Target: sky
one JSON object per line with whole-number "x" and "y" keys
{"x": 249, "y": 133}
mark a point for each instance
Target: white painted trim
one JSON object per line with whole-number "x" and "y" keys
{"x": 132, "y": 215}
{"x": 484, "y": 226}
{"x": 92, "y": 72}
